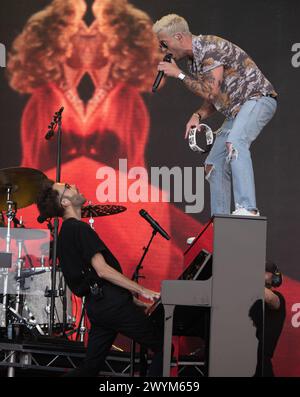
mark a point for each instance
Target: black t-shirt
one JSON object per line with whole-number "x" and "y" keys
{"x": 274, "y": 320}
{"x": 77, "y": 244}
{"x": 273, "y": 325}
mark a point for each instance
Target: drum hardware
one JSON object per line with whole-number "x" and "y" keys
{"x": 20, "y": 262}
{"x": 29, "y": 273}
{"x": 23, "y": 184}
{"x": 82, "y": 327}
{"x": 57, "y": 293}
{"x": 55, "y": 126}
{"x": 11, "y": 210}
{"x": 16, "y": 320}
{"x": 90, "y": 215}
{"x": 31, "y": 325}
{"x": 26, "y": 273}
{"x": 86, "y": 212}
{"x": 42, "y": 259}
{"x": 81, "y": 330}
{"x": 135, "y": 277}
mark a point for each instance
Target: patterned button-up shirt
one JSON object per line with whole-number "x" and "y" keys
{"x": 242, "y": 79}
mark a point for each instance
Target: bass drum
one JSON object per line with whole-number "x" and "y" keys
{"x": 36, "y": 306}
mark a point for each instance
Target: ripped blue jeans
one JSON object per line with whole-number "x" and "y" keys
{"x": 224, "y": 166}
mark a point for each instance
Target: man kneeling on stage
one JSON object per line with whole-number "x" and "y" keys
{"x": 91, "y": 270}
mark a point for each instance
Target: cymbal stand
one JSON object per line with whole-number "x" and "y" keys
{"x": 91, "y": 222}
{"x": 81, "y": 329}
{"x": 15, "y": 326}
{"x": 20, "y": 262}
{"x": 10, "y": 214}
{"x": 56, "y": 123}
{"x": 91, "y": 219}
{"x": 135, "y": 277}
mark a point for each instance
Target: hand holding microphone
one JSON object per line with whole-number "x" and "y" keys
{"x": 161, "y": 72}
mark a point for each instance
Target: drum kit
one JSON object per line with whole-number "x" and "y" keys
{"x": 25, "y": 278}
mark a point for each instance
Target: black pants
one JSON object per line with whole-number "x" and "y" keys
{"x": 116, "y": 313}
{"x": 267, "y": 369}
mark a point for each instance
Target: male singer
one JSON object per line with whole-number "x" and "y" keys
{"x": 229, "y": 82}
{"x": 91, "y": 270}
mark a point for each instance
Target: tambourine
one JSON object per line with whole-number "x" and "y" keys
{"x": 202, "y": 129}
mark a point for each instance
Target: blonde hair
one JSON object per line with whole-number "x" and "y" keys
{"x": 171, "y": 24}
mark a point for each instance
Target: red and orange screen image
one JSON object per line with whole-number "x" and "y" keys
{"x": 116, "y": 57}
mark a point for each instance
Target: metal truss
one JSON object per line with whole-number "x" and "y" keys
{"x": 58, "y": 359}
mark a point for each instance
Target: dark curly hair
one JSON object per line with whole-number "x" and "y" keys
{"x": 48, "y": 201}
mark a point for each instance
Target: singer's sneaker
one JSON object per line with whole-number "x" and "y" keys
{"x": 244, "y": 212}
{"x": 190, "y": 240}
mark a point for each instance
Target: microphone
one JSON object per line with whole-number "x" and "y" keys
{"x": 167, "y": 58}
{"x": 53, "y": 124}
{"x": 154, "y": 224}
{"x": 49, "y": 134}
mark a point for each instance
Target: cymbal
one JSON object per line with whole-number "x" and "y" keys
{"x": 101, "y": 210}
{"x": 23, "y": 234}
{"x": 25, "y": 184}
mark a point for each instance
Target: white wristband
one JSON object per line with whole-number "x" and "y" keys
{"x": 181, "y": 76}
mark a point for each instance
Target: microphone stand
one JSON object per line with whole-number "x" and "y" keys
{"x": 135, "y": 277}
{"x": 57, "y": 122}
